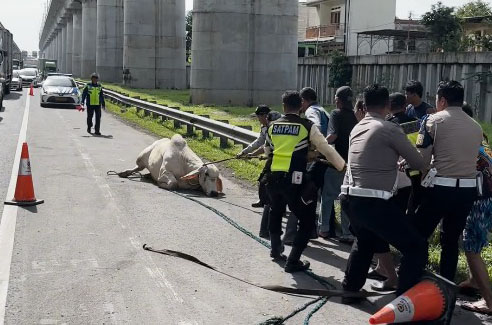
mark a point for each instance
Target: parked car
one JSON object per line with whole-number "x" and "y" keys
{"x": 16, "y": 83}
{"x": 59, "y": 91}
{"x": 29, "y": 76}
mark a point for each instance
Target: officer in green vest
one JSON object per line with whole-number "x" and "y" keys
{"x": 289, "y": 140}
{"x": 93, "y": 98}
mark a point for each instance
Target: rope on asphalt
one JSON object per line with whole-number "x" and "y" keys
{"x": 274, "y": 320}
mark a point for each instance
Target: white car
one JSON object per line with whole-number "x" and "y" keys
{"x": 29, "y": 76}
{"x": 60, "y": 91}
{"x": 16, "y": 83}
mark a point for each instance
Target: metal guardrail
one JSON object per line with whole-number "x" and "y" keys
{"x": 208, "y": 126}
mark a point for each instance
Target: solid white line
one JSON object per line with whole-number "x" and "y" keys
{"x": 9, "y": 218}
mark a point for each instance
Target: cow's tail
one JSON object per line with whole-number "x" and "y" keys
{"x": 178, "y": 141}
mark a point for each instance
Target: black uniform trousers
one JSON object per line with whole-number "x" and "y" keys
{"x": 90, "y": 114}
{"x": 283, "y": 193}
{"x": 452, "y": 205}
{"x": 375, "y": 223}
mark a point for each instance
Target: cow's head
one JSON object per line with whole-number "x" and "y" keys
{"x": 209, "y": 179}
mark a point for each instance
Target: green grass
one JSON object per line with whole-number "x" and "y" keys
{"x": 208, "y": 148}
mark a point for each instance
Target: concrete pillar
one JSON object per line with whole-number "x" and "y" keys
{"x": 139, "y": 54}
{"x": 63, "y": 65}
{"x": 59, "y": 49}
{"x": 109, "y": 53}
{"x": 171, "y": 45}
{"x": 77, "y": 44}
{"x": 89, "y": 35}
{"x": 69, "y": 60}
{"x": 243, "y": 52}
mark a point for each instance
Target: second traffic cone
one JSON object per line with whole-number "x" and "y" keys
{"x": 24, "y": 190}
{"x": 430, "y": 300}
{"x": 31, "y": 90}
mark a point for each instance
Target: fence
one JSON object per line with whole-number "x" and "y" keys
{"x": 474, "y": 70}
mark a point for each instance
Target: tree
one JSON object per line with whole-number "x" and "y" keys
{"x": 340, "y": 71}
{"x": 444, "y": 27}
{"x": 189, "y": 32}
{"x": 477, "y": 8}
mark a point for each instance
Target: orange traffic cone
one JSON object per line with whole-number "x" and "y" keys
{"x": 24, "y": 190}
{"x": 430, "y": 300}
{"x": 31, "y": 91}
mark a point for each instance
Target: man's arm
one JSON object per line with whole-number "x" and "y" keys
{"x": 405, "y": 149}
{"x": 333, "y": 127}
{"x": 101, "y": 98}
{"x": 85, "y": 93}
{"x": 260, "y": 141}
{"x": 319, "y": 141}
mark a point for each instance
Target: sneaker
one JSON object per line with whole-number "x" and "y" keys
{"x": 89, "y": 130}
{"x": 258, "y": 204}
{"x": 97, "y": 133}
{"x": 297, "y": 266}
{"x": 327, "y": 234}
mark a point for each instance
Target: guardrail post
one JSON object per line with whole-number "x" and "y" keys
{"x": 190, "y": 130}
{"x": 146, "y": 112}
{"x": 177, "y": 124}
{"x": 205, "y": 133}
{"x": 224, "y": 143}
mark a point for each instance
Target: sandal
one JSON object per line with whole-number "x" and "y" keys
{"x": 479, "y": 307}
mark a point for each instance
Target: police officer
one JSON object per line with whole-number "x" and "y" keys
{"x": 93, "y": 98}
{"x": 451, "y": 139}
{"x": 376, "y": 145}
{"x": 288, "y": 142}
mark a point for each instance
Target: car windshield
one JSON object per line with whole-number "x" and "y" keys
{"x": 59, "y": 82}
{"x": 16, "y": 73}
{"x": 28, "y": 72}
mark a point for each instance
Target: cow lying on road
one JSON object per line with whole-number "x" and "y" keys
{"x": 173, "y": 165}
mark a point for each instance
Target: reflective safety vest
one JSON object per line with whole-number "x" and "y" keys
{"x": 94, "y": 93}
{"x": 288, "y": 138}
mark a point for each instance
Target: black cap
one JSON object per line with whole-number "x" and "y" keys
{"x": 262, "y": 110}
{"x": 345, "y": 93}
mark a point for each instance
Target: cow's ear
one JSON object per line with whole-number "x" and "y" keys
{"x": 191, "y": 176}
{"x": 219, "y": 185}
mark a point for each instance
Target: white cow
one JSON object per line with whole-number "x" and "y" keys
{"x": 173, "y": 165}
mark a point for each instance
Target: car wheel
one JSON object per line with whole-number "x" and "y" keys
{"x": 42, "y": 105}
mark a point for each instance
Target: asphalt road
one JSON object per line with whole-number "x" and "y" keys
{"x": 78, "y": 258}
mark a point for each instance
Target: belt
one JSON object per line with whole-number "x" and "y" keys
{"x": 365, "y": 192}
{"x": 453, "y": 182}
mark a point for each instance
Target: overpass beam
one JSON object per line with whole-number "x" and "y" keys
{"x": 89, "y": 36}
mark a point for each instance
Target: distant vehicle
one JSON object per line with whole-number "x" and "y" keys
{"x": 16, "y": 80}
{"x": 6, "y": 50}
{"x": 59, "y": 91}
{"x": 47, "y": 67}
{"x": 30, "y": 62}
{"x": 29, "y": 76}
{"x": 16, "y": 64}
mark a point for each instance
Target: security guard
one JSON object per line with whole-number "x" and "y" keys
{"x": 368, "y": 192}
{"x": 93, "y": 97}
{"x": 451, "y": 139}
{"x": 288, "y": 141}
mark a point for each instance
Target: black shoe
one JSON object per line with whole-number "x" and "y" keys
{"x": 297, "y": 266}
{"x": 89, "y": 130}
{"x": 258, "y": 204}
{"x": 265, "y": 235}
{"x": 97, "y": 133}
{"x": 288, "y": 242}
{"x": 278, "y": 257}
{"x": 382, "y": 287}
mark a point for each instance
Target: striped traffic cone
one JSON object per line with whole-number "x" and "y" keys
{"x": 431, "y": 300}
{"x": 24, "y": 190}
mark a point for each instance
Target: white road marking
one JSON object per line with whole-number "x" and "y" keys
{"x": 9, "y": 218}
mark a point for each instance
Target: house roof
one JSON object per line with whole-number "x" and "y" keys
{"x": 396, "y": 33}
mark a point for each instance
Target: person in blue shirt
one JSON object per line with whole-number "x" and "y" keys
{"x": 416, "y": 108}
{"x": 93, "y": 98}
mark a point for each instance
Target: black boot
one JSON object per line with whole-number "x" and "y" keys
{"x": 277, "y": 248}
{"x": 264, "y": 231}
{"x": 294, "y": 264}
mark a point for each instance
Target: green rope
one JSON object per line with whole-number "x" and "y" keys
{"x": 274, "y": 320}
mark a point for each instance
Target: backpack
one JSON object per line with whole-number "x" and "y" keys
{"x": 484, "y": 166}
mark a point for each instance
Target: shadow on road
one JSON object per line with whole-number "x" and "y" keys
{"x": 33, "y": 209}
{"x": 13, "y": 96}
{"x": 109, "y": 136}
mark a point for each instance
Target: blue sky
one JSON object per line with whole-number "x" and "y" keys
{"x": 23, "y": 17}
